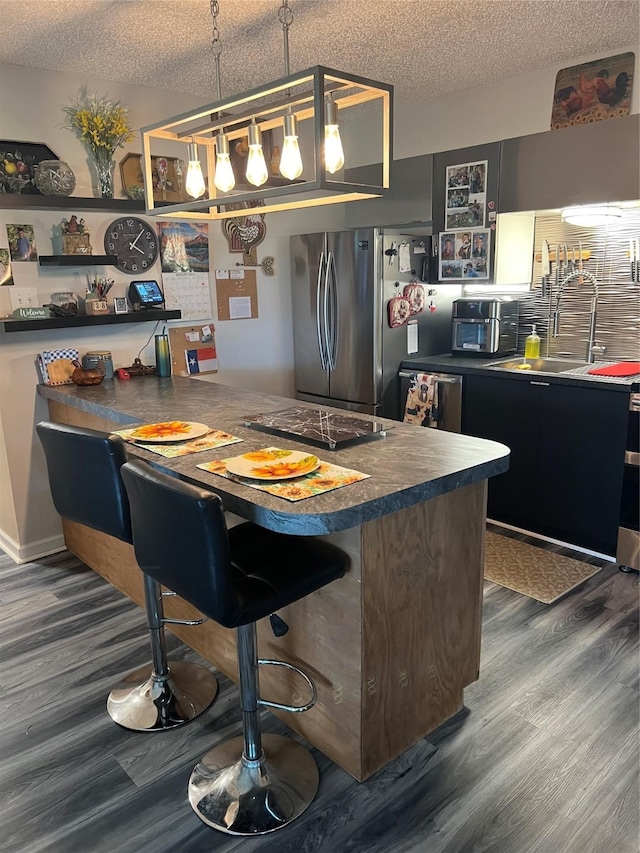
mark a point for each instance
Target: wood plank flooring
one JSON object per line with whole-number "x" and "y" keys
{"x": 543, "y": 759}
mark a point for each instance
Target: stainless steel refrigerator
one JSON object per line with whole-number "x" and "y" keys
{"x": 346, "y": 353}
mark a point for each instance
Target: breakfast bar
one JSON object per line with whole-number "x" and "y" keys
{"x": 392, "y": 645}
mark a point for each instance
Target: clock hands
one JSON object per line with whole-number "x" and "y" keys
{"x": 133, "y": 245}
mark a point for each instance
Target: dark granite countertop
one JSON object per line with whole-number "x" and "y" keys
{"x": 407, "y": 466}
{"x": 447, "y": 363}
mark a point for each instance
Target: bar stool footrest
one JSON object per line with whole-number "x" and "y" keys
{"x": 294, "y": 709}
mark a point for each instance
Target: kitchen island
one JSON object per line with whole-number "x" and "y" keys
{"x": 392, "y": 645}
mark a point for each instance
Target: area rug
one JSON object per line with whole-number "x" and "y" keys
{"x": 532, "y": 571}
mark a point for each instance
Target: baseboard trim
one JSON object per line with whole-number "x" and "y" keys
{"x": 32, "y": 550}
{"x": 542, "y": 538}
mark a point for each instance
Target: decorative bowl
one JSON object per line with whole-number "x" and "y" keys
{"x": 54, "y": 177}
{"x": 86, "y": 375}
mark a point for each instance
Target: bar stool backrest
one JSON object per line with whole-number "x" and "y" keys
{"x": 84, "y": 477}
{"x": 183, "y": 543}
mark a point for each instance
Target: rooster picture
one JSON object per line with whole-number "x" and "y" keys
{"x": 593, "y": 91}
{"x": 245, "y": 233}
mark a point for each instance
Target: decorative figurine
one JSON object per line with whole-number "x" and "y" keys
{"x": 75, "y": 237}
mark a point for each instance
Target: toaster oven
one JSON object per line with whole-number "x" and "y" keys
{"x": 484, "y": 326}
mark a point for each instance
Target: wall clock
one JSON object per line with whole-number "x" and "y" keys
{"x": 134, "y": 242}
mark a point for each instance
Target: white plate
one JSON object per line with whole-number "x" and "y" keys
{"x": 273, "y": 464}
{"x": 168, "y": 431}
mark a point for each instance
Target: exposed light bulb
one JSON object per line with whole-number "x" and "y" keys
{"x": 257, "y": 172}
{"x": 333, "y": 153}
{"x": 224, "y": 179}
{"x": 194, "y": 184}
{"x": 290, "y": 160}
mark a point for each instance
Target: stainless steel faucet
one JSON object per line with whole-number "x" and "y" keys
{"x": 581, "y": 275}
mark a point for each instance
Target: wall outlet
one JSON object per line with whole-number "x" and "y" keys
{"x": 24, "y": 297}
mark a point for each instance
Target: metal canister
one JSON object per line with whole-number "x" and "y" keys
{"x": 101, "y": 360}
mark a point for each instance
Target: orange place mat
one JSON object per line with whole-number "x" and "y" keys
{"x": 214, "y": 438}
{"x": 324, "y": 479}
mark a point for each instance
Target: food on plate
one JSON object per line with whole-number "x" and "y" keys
{"x": 168, "y": 428}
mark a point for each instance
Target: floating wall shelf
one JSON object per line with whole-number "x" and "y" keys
{"x": 149, "y": 315}
{"x": 18, "y": 201}
{"x": 76, "y": 260}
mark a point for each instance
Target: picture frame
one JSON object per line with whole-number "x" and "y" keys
{"x": 169, "y": 174}
{"x": 593, "y": 91}
{"x": 120, "y": 305}
{"x": 18, "y": 161}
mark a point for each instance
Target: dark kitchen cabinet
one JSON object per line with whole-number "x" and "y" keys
{"x": 559, "y": 168}
{"x": 409, "y": 201}
{"x": 567, "y": 454}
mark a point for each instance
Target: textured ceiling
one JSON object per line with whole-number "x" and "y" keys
{"x": 426, "y": 48}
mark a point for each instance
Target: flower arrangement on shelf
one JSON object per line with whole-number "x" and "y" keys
{"x": 103, "y": 126}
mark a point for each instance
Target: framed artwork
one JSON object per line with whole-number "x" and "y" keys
{"x": 6, "y": 278}
{"x": 593, "y": 91}
{"x": 466, "y": 201}
{"x": 464, "y": 255}
{"x": 22, "y": 243}
{"x": 18, "y": 161}
{"x": 120, "y": 305}
{"x": 168, "y": 177}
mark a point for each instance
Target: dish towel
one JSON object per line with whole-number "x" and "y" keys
{"x": 421, "y": 407}
{"x": 622, "y": 368}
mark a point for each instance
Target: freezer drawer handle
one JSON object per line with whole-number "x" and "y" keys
{"x": 321, "y": 309}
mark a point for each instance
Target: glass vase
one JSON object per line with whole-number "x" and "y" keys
{"x": 105, "y": 166}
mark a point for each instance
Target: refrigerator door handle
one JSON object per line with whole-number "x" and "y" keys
{"x": 331, "y": 297}
{"x": 321, "y": 299}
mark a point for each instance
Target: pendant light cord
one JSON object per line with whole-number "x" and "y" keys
{"x": 285, "y": 16}
{"x": 216, "y": 46}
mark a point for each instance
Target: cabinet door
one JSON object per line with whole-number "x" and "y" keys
{"x": 567, "y": 453}
{"x": 409, "y": 201}
{"x": 580, "y": 465}
{"x": 505, "y": 410}
{"x": 547, "y": 170}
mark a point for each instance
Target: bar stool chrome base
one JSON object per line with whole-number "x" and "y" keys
{"x": 243, "y": 797}
{"x": 143, "y": 702}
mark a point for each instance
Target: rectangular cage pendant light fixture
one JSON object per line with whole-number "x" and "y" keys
{"x": 313, "y": 103}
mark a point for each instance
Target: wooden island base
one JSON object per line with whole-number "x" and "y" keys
{"x": 391, "y": 646}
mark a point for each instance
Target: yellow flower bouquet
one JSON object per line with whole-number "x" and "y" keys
{"x": 103, "y": 126}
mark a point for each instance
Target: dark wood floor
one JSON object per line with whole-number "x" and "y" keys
{"x": 544, "y": 758}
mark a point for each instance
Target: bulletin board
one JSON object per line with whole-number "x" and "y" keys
{"x": 193, "y": 350}
{"x": 236, "y": 294}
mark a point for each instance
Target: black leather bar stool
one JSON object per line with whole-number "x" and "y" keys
{"x": 84, "y": 475}
{"x": 255, "y": 783}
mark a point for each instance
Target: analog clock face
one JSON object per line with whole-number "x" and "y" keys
{"x": 134, "y": 242}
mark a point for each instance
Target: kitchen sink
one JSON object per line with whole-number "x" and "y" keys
{"x": 542, "y": 365}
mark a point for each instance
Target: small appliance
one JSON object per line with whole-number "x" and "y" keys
{"x": 145, "y": 294}
{"x": 484, "y": 326}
